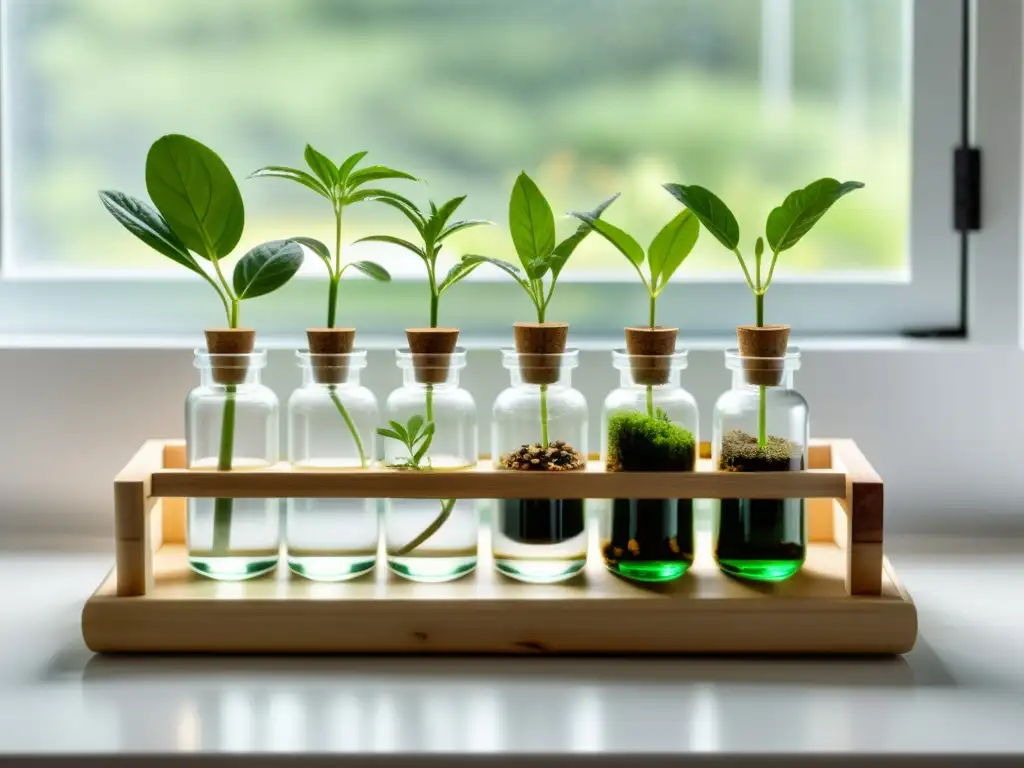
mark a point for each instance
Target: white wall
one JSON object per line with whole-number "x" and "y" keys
{"x": 943, "y": 423}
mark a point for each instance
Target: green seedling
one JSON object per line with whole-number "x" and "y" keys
{"x": 197, "y": 216}
{"x": 785, "y": 227}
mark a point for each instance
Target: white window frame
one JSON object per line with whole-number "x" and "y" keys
{"x": 929, "y": 296}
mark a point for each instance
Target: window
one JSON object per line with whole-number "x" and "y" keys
{"x": 751, "y": 98}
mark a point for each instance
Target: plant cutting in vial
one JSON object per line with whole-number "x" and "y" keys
{"x": 197, "y": 217}
{"x": 784, "y": 228}
{"x": 342, "y": 185}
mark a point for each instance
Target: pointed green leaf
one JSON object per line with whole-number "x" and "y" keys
{"x": 437, "y": 221}
{"x": 292, "y": 174}
{"x": 712, "y": 212}
{"x": 371, "y": 269}
{"x": 345, "y": 169}
{"x": 671, "y": 246}
{"x": 422, "y": 450}
{"x": 375, "y": 173}
{"x": 413, "y": 427}
{"x": 504, "y": 266}
{"x": 196, "y": 194}
{"x": 266, "y": 268}
{"x": 322, "y": 167}
{"x": 316, "y": 247}
{"x": 396, "y": 201}
{"x": 801, "y": 210}
{"x": 622, "y": 241}
{"x": 143, "y": 221}
{"x": 562, "y": 252}
{"x": 532, "y": 225}
{"x": 458, "y": 226}
{"x": 402, "y": 434}
{"x": 459, "y": 271}
{"x": 394, "y": 241}
{"x": 389, "y": 434}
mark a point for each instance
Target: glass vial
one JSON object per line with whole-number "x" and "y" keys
{"x": 649, "y": 425}
{"x": 540, "y": 427}
{"x": 332, "y": 422}
{"x": 432, "y": 539}
{"x": 231, "y": 422}
{"x": 760, "y": 425}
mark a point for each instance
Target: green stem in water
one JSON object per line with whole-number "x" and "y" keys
{"x": 650, "y": 401}
{"x": 447, "y": 505}
{"x": 762, "y": 431}
{"x": 349, "y": 423}
{"x": 222, "y": 508}
{"x": 543, "y": 415}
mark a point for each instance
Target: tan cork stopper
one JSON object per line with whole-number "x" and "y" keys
{"x": 230, "y": 342}
{"x": 650, "y": 351}
{"x": 766, "y": 345}
{"x": 431, "y": 350}
{"x": 540, "y": 347}
{"x": 329, "y": 349}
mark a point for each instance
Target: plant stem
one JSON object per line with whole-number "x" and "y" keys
{"x": 762, "y": 432}
{"x": 653, "y": 299}
{"x": 333, "y": 390}
{"x": 332, "y": 301}
{"x": 650, "y": 401}
{"x": 222, "y": 508}
{"x": 543, "y": 415}
{"x": 447, "y": 505}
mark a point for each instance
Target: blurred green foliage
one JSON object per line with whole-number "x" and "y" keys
{"x": 591, "y": 97}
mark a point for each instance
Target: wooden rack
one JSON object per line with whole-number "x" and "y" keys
{"x": 846, "y": 599}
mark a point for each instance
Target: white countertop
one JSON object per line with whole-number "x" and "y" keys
{"x": 960, "y": 691}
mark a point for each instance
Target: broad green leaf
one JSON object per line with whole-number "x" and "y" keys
{"x": 801, "y": 210}
{"x": 413, "y": 427}
{"x": 391, "y": 435}
{"x": 266, "y": 268}
{"x": 143, "y": 221}
{"x": 322, "y": 167}
{"x": 458, "y": 226}
{"x": 292, "y": 174}
{"x": 532, "y": 225}
{"x": 371, "y": 269}
{"x": 459, "y": 271}
{"x": 624, "y": 242}
{"x": 509, "y": 269}
{"x": 375, "y": 173}
{"x": 565, "y": 249}
{"x": 437, "y": 221}
{"x": 712, "y": 212}
{"x": 671, "y": 246}
{"x": 316, "y": 247}
{"x": 196, "y": 194}
{"x": 394, "y": 241}
{"x": 347, "y": 165}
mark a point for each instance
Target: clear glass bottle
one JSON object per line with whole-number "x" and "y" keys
{"x": 231, "y": 422}
{"x": 649, "y": 424}
{"x": 760, "y": 539}
{"x": 332, "y": 422}
{"x": 540, "y": 427}
{"x": 432, "y": 539}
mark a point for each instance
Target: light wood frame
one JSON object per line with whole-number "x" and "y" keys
{"x": 844, "y": 493}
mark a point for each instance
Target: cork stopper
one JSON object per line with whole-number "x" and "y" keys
{"x": 766, "y": 348}
{"x": 232, "y": 347}
{"x": 650, "y": 351}
{"x": 329, "y": 349}
{"x": 540, "y": 347}
{"x": 431, "y": 350}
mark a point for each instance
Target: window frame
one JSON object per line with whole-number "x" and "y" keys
{"x": 926, "y": 298}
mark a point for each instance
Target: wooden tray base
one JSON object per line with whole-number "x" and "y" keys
{"x": 704, "y": 612}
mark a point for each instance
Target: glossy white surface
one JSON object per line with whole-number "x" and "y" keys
{"x": 961, "y": 690}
